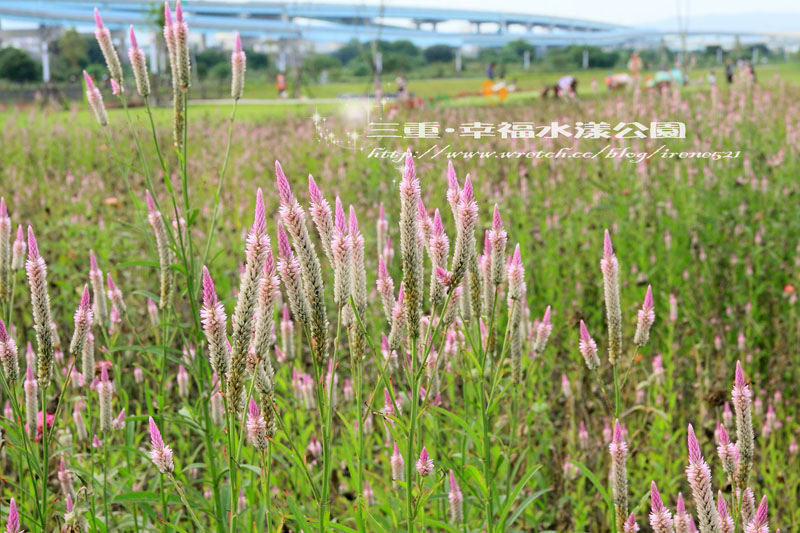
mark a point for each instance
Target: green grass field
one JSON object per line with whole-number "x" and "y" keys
{"x": 524, "y": 427}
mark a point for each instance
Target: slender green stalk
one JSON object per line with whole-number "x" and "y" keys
{"x": 617, "y": 401}
{"x": 266, "y": 471}
{"x": 412, "y": 424}
{"x": 106, "y": 467}
{"x": 164, "y": 507}
{"x": 327, "y": 430}
{"x": 231, "y": 459}
{"x": 360, "y": 450}
{"x": 45, "y": 455}
{"x": 186, "y": 503}
{"x": 90, "y": 417}
{"x": 28, "y": 447}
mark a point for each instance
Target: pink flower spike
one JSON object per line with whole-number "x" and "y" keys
{"x": 739, "y": 380}
{"x": 338, "y": 216}
{"x": 546, "y": 317}
{"x": 722, "y": 507}
{"x": 12, "y": 525}
{"x": 151, "y": 204}
{"x": 438, "y": 227}
{"x": 421, "y": 210}
{"x": 3, "y": 208}
{"x": 134, "y": 43}
{"x": 761, "y": 513}
{"x": 178, "y": 12}
{"x": 453, "y": 483}
{"x": 237, "y": 46}
{"x": 160, "y": 454}
{"x": 313, "y": 190}
{"x": 443, "y": 276}
{"x": 617, "y": 435}
{"x": 155, "y": 434}
{"x": 260, "y": 217}
{"x": 680, "y": 506}
{"x": 284, "y": 190}
{"x": 497, "y": 221}
{"x": 86, "y": 298}
{"x": 467, "y": 194}
{"x": 608, "y": 248}
{"x": 167, "y": 15}
{"x": 648, "y": 298}
{"x": 33, "y": 247}
{"x": 353, "y": 222}
{"x": 209, "y": 294}
{"x": 88, "y": 80}
{"x": 723, "y": 434}
{"x": 409, "y": 172}
{"x": 695, "y": 455}
{"x": 630, "y": 525}
{"x": 425, "y": 463}
{"x": 516, "y": 259}
{"x": 656, "y": 503}
{"x": 98, "y": 20}
{"x": 284, "y": 248}
{"x": 252, "y": 409}
{"x": 585, "y": 337}
{"x": 452, "y": 179}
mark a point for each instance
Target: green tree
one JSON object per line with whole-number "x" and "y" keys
{"x": 209, "y": 59}
{"x": 17, "y": 65}
{"x": 73, "y": 49}
{"x": 257, "y": 60}
{"x": 519, "y": 47}
{"x": 319, "y": 62}
{"x": 348, "y": 52}
{"x": 439, "y": 53}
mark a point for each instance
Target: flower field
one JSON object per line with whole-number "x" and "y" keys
{"x": 214, "y": 320}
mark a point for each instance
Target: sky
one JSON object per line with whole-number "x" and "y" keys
{"x": 619, "y": 11}
{"x": 733, "y": 15}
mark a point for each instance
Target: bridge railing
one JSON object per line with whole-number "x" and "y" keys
{"x": 64, "y": 93}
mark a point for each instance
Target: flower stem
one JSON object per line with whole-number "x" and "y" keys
{"x": 412, "y": 422}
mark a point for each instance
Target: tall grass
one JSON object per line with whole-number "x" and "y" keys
{"x": 432, "y": 402}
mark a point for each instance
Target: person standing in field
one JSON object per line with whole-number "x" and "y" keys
{"x": 635, "y": 65}
{"x": 490, "y": 70}
{"x": 729, "y": 71}
{"x": 280, "y": 84}
{"x": 402, "y": 91}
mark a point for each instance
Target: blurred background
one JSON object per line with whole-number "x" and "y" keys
{"x": 409, "y": 50}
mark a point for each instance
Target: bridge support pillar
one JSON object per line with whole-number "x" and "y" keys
{"x": 45, "y": 62}
{"x": 154, "y": 63}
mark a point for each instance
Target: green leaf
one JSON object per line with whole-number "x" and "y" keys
{"x": 145, "y": 496}
{"x": 514, "y": 493}
{"x": 597, "y": 484}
